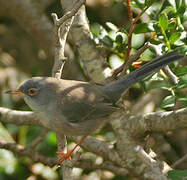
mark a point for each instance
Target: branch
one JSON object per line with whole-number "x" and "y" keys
{"x": 172, "y": 76}
{"x": 132, "y": 58}
{"x": 71, "y": 13}
{"x": 156, "y": 173}
{"x": 132, "y": 21}
{"x": 94, "y": 62}
{"x": 59, "y": 48}
{"x": 23, "y": 151}
{"x": 82, "y": 163}
{"x": 29, "y": 118}
{"x": 61, "y": 29}
{"x": 156, "y": 121}
{"x": 167, "y": 70}
{"x": 181, "y": 160}
{"x": 19, "y": 117}
{"x": 86, "y": 164}
{"x": 60, "y": 37}
{"x": 132, "y": 25}
{"x": 100, "y": 148}
{"x": 38, "y": 139}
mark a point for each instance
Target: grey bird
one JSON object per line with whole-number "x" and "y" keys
{"x": 79, "y": 108}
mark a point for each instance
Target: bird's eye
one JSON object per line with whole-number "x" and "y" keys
{"x": 32, "y": 91}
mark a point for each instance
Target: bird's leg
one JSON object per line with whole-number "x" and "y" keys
{"x": 67, "y": 155}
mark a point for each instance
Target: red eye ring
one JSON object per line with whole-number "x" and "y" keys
{"x": 32, "y": 91}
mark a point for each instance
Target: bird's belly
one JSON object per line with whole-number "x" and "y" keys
{"x": 63, "y": 126}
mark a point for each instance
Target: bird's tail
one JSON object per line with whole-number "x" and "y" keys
{"x": 115, "y": 89}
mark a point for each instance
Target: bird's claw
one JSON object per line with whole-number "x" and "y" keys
{"x": 64, "y": 156}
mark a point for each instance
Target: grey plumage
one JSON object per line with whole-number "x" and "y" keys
{"x": 79, "y": 108}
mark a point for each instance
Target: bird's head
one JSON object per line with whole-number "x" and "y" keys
{"x": 37, "y": 92}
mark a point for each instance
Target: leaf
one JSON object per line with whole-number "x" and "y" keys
{"x": 182, "y": 97}
{"x": 174, "y": 37}
{"x": 172, "y": 25}
{"x": 51, "y": 138}
{"x": 148, "y": 3}
{"x": 163, "y": 21}
{"x": 177, "y": 174}
{"x": 182, "y": 84}
{"x": 141, "y": 28}
{"x": 182, "y": 9}
{"x": 112, "y": 26}
{"x": 160, "y": 85}
{"x": 138, "y": 40}
{"x": 107, "y": 41}
{"x": 168, "y": 102}
{"x": 120, "y": 38}
{"x": 164, "y": 5}
{"x": 178, "y": 3}
{"x": 98, "y": 30}
{"x": 154, "y": 41}
{"x": 181, "y": 71}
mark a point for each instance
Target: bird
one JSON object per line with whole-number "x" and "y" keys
{"x": 77, "y": 108}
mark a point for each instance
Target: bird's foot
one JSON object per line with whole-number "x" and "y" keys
{"x": 67, "y": 155}
{"x": 64, "y": 156}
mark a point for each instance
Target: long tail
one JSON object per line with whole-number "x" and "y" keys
{"x": 115, "y": 89}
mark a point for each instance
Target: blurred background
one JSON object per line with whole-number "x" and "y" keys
{"x": 26, "y": 52}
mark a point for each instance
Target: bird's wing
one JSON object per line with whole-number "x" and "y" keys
{"x": 85, "y": 102}
{"x": 79, "y": 111}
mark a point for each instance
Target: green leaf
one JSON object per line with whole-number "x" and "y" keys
{"x": 174, "y": 37}
{"x": 182, "y": 97}
{"x": 182, "y": 9}
{"x": 154, "y": 41}
{"x": 98, "y": 30}
{"x": 51, "y": 138}
{"x": 164, "y": 5}
{"x": 160, "y": 85}
{"x": 168, "y": 102}
{"x": 107, "y": 41}
{"x": 141, "y": 28}
{"x": 138, "y": 40}
{"x": 177, "y": 174}
{"x": 172, "y": 25}
{"x": 178, "y": 3}
{"x": 163, "y": 21}
{"x": 112, "y": 26}
{"x": 148, "y": 3}
{"x": 120, "y": 38}
{"x": 182, "y": 84}
{"x": 181, "y": 71}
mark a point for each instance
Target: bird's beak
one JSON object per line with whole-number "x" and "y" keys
{"x": 14, "y": 92}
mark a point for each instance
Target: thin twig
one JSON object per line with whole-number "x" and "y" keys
{"x": 19, "y": 117}
{"x": 61, "y": 28}
{"x": 100, "y": 148}
{"x": 140, "y": 14}
{"x": 132, "y": 25}
{"x": 71, "y": 13}
{"x": 132, "y": 58}
{"x": 184, "y": 158}
{"x": 151, "y": 163}
{"x": 89, "y": 165}
{"x": 38, "y": 139}
{"x": 66, "y": 167}
{"x": 132, "y": 21}
{"x": 81, "y": 163}
{"x": 171, "y": 75}
{"x": 23, "y": 151}
{"x": 145, "y": 157}
{"x": 166, "y": 69}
